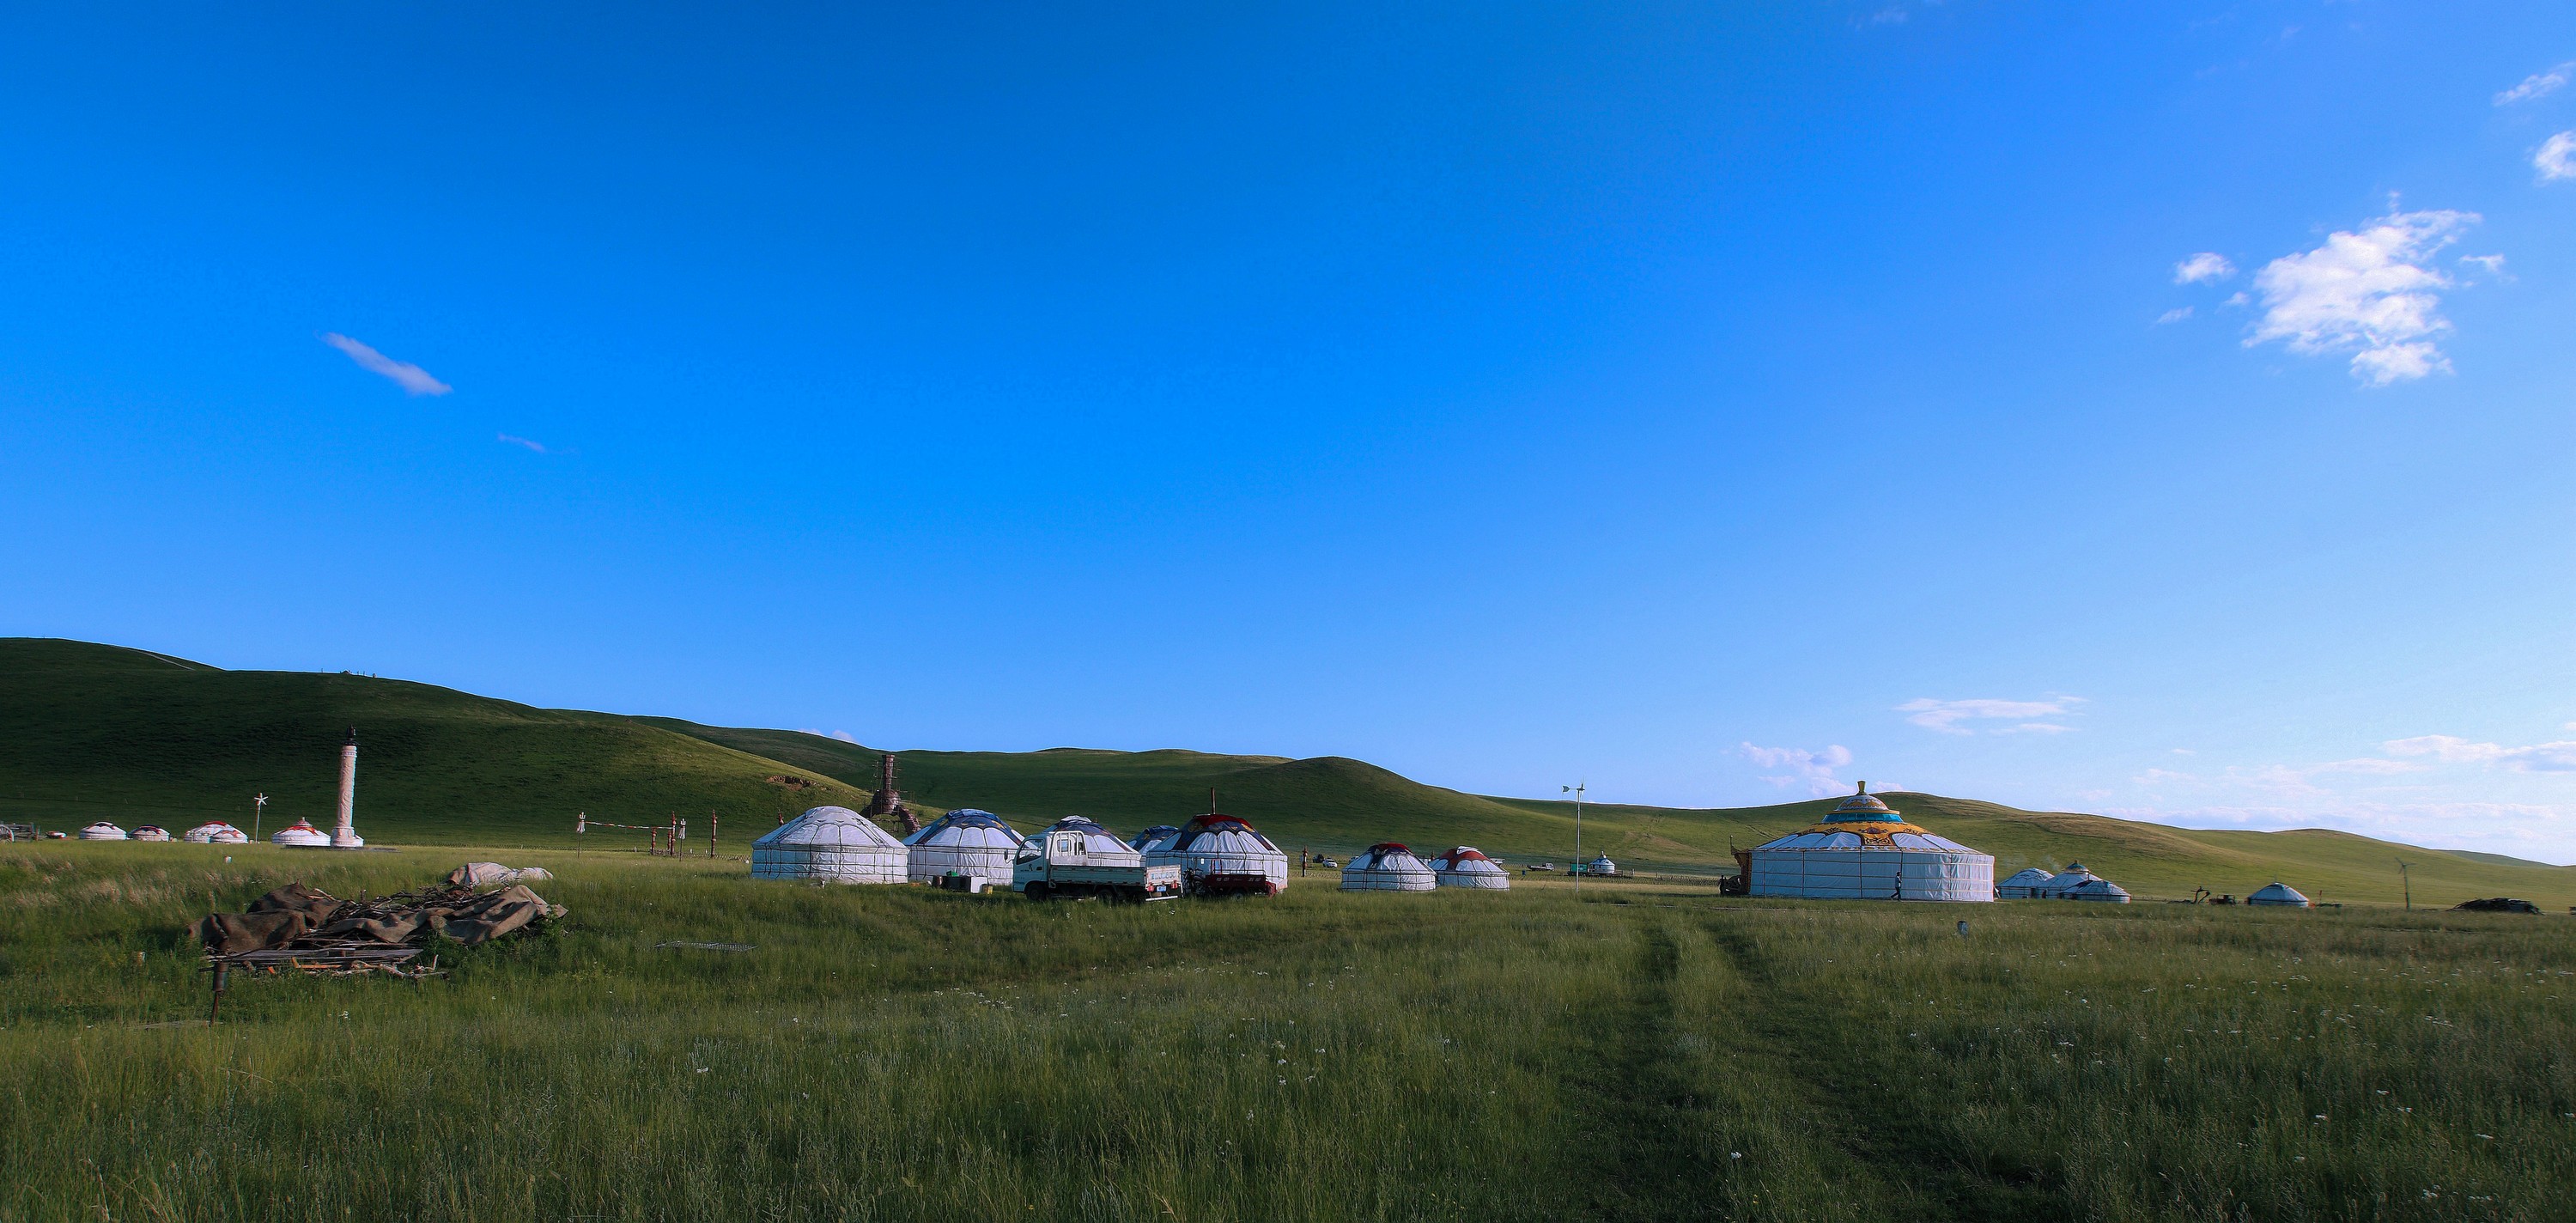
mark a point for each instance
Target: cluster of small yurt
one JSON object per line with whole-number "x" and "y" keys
{"x": 830, "y": 844}
{"x": 1387, "y": 867}
{"x": 1464, "y": 866}
{"x": 102, "y": 831}
{"x": 963, "y": 842}
{"x": 2077, "y": 883}
{"x": 215, "y": 832}
{"x": 300, "y": 835}
{"x": 1219, "y": 855}
{"x": 2279, "y": 895}
{"x": 1865, "y": 851}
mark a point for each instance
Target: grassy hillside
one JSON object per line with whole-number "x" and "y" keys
{"x": 90, "y": 731}
{"x": 98, "y": 732}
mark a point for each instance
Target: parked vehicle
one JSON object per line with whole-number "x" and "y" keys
{"x": 1074, "y": 859}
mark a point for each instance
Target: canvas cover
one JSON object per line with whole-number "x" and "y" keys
{"x": 487, "y": 874}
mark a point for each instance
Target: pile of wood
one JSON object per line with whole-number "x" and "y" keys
{"x": 312, "y": 931}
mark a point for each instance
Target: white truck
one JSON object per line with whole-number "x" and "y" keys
{"x": 1075, "y": 858}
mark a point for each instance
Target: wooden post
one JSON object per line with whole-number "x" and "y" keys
{"x": 218, "y": 1005}
{"x": 138, "y": 988}
{"x": 711, "y": 836}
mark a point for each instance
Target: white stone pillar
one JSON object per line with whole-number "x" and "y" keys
{"x": 344, "y": 835}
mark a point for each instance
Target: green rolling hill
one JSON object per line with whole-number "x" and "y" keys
{"x": 103, "y": 732}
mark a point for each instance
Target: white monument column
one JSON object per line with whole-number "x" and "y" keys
{"x": 344, "y": 835}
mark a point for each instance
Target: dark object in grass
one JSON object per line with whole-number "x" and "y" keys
{"x": 2496, "y": 904}
{"x": 298, "y": 918}
{"x": 709, "y": 946}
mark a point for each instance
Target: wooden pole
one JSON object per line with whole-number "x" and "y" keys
{"x": 138, "y": 988}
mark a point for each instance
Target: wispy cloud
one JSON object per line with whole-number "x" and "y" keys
{"x": 539, "y": 447}
{"x": 2369, "y": 292}
{"x": 1813, "y": 769}
{"x": 1947, "y": 716}
{"x": 2205, "y": 267}
{"x": 2492, "y": 265}
{"x": 2558, "y": 757}
{"x": 411, "y": 378}
{"x": 2556, "y": 158}
{"x": 842, "y": 735}
{"x": 2174, "y": 315}
{"x": 2538, "y": 85}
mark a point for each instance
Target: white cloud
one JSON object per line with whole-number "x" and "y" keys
{"x": 2174, "y": 315}
{"x": 2036, "y": 728}
{"x": 2556, "y": 158}
{"x": 411, "y": 378}
{"x": 1891, "y": 15}
{"x": 521, "y": 441}
{"x": 2525, "y": 830}
{"x": 2492, "y": 265}
{"x": 842, "y": 735}
{"x": 2367, "y": 292}
{"x": 1814, "y": 769}
{"x": 2558, "y": 757}
{"x": 2537, "y": 85}
{"x": 1946, "y": 716}
{"x": 2206, "y": 266}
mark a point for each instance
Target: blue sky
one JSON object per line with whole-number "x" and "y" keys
{"x": 2161, "y": 410}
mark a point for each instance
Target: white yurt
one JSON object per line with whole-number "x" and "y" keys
{"x": 2098, "y": 890}
{"x": 215, "y": 833}
{"x": 1144, "y": 842}
{"x": 832, "y": 844}
{"x": 1464, "y": 866}
{"x": 2274, "y": 893}
{"x": 301, "y": 835}
{"x": 1220, "y": 855}
{"x": 2065, "y": 881}
{"x": 102, "y": 831}
{"x": 2024, "y": 886}
{"x": 1601, "y": 866}
{"x": 1387, "y": 867}
{"x": 1864, "y": 851}
{"x": 964, "y": 842}
{"x": 151, "y": 832}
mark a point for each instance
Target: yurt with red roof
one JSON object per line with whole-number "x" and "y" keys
{"x": 1387, "y": 867}
{"x": 151, "y": 832}
{"x": 102, "y": 831}
{"x": 1464, "y": 866}
{"x": 1220, "y": 855}
{"x": 301, "y": 835}
{"x": 215, "y": 832}
{"x": 1865, "y": 851}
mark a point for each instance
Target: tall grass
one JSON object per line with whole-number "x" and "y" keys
{"x": 898, "y": 1053}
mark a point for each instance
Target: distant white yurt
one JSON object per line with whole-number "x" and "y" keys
{"x": 215, "y": 833}
{"x": 301, "y": 835}
{"x": 2024, "y": 886}
{"x": 1220, "y": 855}
{"x": 1387, "y": 867}
{"x": 1464, "y": 866}
{"x": 1864, "y": 851}
{"x": 832, "y": 844}
{"x": 1144, "y": 842}
{"x": 1601, "y": 866}
{"x": 151, "y": 832}
{"x": 963, "y": 842}
{"x": 2280, "y": 894}
{"x": 2098, "y": 890}
{"x": 102, "y": 831}
{"x": 2059, "y": 884}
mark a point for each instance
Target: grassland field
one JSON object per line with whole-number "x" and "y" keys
{"x": 1638, "y": 1051}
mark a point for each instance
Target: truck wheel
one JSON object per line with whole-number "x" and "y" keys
{"x": 1035, "y": 891}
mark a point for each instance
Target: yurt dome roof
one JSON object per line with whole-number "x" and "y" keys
{"x": 102, "y": 831}
{"x": 967, "y": 827}
{"x": 1215, "y": 832}
{"x": 299, "y": 833}
{"x": 1861, "y": 808}
{"x": 1458, "y": 854}
{"x": 1386, "y": 856}
{"x": 2027, "y": 877}
{"x": 1151, "y": 836}
{"x": 2097, "y": 888}
{"x": 2276, "y": 893}
{"x": 1863, "y": 822}
{"x": 2074, "y": 874}
{"x": 829, "y": 826}
{"x": 1603, "y": 860}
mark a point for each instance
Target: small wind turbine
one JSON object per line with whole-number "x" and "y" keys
{"x": 258, "y": 808}
{"x": 1577, "y": 791}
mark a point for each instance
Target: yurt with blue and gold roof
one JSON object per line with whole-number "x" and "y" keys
{"x": 1865, "y": 851}
{"x": 963, "y": 842}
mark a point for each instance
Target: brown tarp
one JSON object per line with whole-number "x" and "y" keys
{"x": 295, "y": 912}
